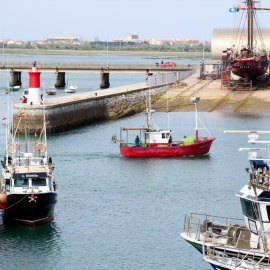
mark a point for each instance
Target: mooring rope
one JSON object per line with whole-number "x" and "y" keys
{"x": 14, "y": 203}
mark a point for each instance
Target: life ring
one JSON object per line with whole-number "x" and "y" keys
{"x": 266, "y": 174}
{"x": 43, "y": 147}
{"x": 9, "y": 147}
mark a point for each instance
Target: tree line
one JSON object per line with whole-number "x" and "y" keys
{"x": 113, "y": 46}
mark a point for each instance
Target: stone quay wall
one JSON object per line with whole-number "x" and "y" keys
{"x": 82, "y": 109}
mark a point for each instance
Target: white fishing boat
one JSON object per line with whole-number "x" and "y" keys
{"x": 244, "y": 239}
{"x": 71, "y": 89}
{"x": 28, "y": 192}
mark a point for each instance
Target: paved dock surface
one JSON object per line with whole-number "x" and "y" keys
{"x": 212, "y": 97}
{"x": 94, "y": 94}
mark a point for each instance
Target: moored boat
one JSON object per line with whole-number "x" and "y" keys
{"x": 13, "y": 88}
{"x": 71, "y": 89}
{"x": 28, "y": 192}
{"x": 250, "y": 61}
{"x": 155, "y": 142}
{"x": 51, "y": 92}
{"x": 245, "y": 240}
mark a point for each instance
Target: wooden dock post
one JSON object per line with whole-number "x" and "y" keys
{"x": 104, "y": 79}
{"x": 15, "y": 79}
{"x": 60, "y": 79}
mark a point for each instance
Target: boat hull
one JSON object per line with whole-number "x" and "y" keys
{"x": 30, "y": 209}
{"x": 249, "y": 69}
{"x": 218, "y": 267}
{"x": 230, "y": 251}
{"x": 51, "y": 93}
{"x": 201, "y": 147}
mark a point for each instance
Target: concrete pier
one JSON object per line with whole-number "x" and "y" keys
{"x": 60, "y": 79}
{"x": 15, "y": 78}
{"x": 67, "y": 112}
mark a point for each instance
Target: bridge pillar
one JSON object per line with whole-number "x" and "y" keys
{"x": 15, "y": 79}
{"x": 60, "y": 79}
{"x": 104, "y": 80}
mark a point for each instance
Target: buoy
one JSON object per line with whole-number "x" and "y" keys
{"x": 3, "y": 197}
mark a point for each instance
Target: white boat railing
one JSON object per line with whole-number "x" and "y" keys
{"x": 224, "y": 238}
{"x": 29, "y": 162}
{"x": 225, "y": 257}
{"x": 213, "y": 229}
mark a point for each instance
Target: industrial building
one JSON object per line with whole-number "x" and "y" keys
{"x": 224, "y": 38}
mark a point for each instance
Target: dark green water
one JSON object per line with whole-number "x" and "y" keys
{"x": 122, "y": 213}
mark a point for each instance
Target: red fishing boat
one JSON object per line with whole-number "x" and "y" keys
{"x": 154, "y": 142}
{"x": 250, "y": 61}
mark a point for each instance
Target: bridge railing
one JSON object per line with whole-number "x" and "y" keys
{"x": 120, "y": 66}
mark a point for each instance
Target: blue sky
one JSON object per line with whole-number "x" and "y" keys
{"x": 87, "y": 19}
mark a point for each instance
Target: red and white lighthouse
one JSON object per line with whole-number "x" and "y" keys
{"x": 34, "y": 97}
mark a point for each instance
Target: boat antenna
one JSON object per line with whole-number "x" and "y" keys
{"x": 7, "y": 117}
{"x": 203, "y": 44}
{"x": 3, "y": 44}
{"x": 43, "y": 116}
{"x": 195, "y": 100}
{"x": 107, "y": 48}
{"x": 149, "y": 111}
{"x": 168, "y": 111}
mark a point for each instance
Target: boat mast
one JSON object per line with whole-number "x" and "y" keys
{"x": 250, "y": 12}
{"x": 195, "y": 100}
{"x": 248, "y": 15}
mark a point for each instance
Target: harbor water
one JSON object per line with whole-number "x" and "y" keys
{"x": 127, "y": 213}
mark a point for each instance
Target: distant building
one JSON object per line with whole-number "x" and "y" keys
{"x": 10, "y": 42}
{"x": 118, "y": 40}
{"x": 62, "y": 40}
{"x": 132, "y": 37}
{"x": 190, "y": 41}
{"x": 159, "y": 41}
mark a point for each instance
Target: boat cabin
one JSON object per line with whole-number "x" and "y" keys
{"x": 157, "y": 138}
{"x": 147, "y": 137}
{"x": 28, "y": 175}
{"x": 255, "y": 200}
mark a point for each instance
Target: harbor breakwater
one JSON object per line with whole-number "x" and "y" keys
{"x": 76, "y": 110}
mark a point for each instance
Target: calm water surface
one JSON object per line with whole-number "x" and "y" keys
{"x": 123, "y": 213}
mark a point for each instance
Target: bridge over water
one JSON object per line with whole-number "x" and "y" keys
{"x": 104, "y": 69}
{"x": 96, "y": 67}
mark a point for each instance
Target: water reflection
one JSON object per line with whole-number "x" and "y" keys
{"x": 37, "y": 243}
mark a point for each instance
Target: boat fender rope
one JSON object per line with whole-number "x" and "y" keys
{"x": 9, "y": 147}
{"x": 266, "y": 174}
{"x": 40, "y": 150}
{"x": 14, "y": 203}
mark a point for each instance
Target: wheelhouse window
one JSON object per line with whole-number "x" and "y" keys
{"x": 21, "y": 182}
{"x": 7, "y": 184}
{"x": 163, "y": 135}
{"x": 249, "y": 209}
{"x": 39, "y": 182}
